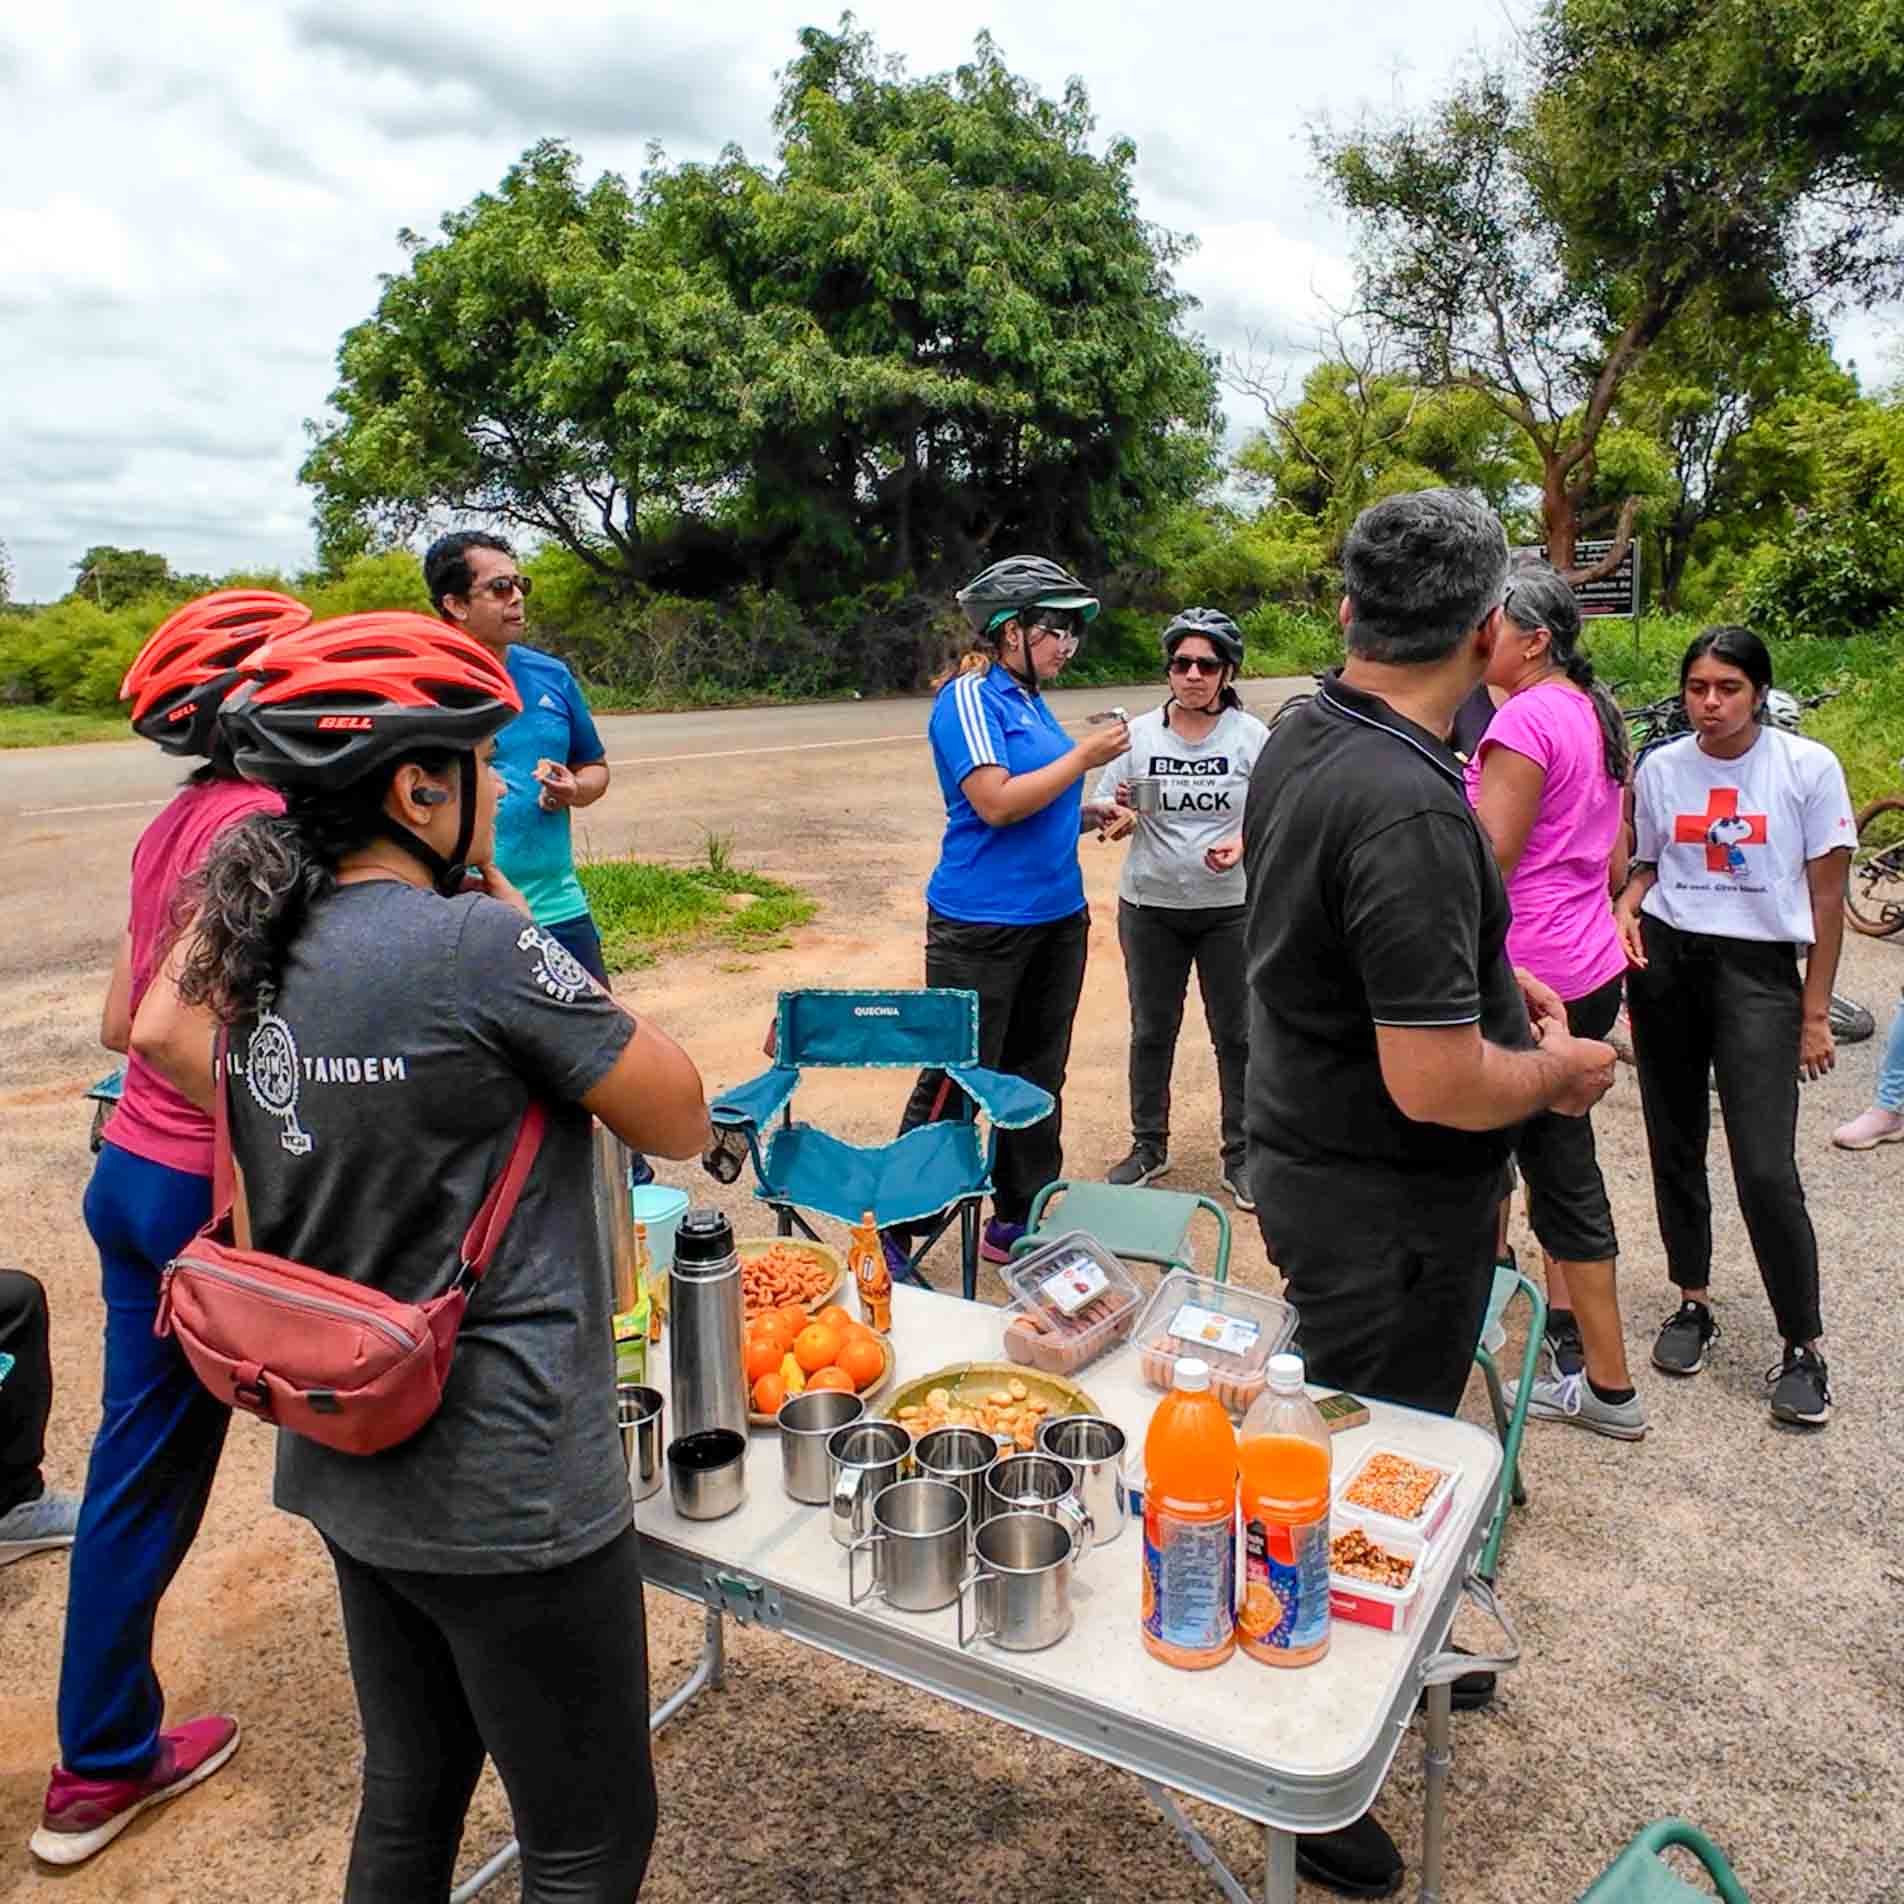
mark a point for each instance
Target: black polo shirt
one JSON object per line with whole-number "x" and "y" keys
{"x": 1373, "y": 899}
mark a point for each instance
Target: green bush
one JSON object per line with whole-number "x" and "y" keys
{"x": 1837, "y": 573}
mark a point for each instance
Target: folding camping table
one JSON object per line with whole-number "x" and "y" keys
{"x": 1299, "y": 1751}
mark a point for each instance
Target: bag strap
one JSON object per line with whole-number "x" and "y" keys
{"x": 491, "y": 1219}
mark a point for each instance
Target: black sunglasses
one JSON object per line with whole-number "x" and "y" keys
{"x": 503, "y": 586}
{"x": 1195, "y": 664}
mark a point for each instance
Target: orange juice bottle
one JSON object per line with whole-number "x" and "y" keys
{"x": 1189, "y": 1605}
{"x": 867, "y": 1260}
{"x": 1283, "y": 1452}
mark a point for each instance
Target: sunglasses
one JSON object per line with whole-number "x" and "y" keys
{"x": 1065, "y": 623}
{"x": 1195, "y": 664}
{"x": 503, "y": 586}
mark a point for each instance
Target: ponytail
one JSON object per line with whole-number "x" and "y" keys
{"x": 973, "y": 661}
{"x": 1616, "y": 745}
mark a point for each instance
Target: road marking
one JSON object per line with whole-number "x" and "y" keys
{"x": 108, "y": 806}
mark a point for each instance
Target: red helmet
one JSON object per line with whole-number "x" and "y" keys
{"x": 325, "y": 705}
{"x": 192, "y": 661}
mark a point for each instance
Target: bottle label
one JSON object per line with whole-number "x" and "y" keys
{"x": 1189, "y": 1579}
{"x": 1285, "y": 1585}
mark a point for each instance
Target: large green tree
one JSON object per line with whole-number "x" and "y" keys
{"x": 1534, "y": 233}
{"x": 937, "y": 329}
{"x": 110, "y": 577}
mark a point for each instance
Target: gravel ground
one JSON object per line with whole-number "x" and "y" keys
{"x": 1710, "y": 1616}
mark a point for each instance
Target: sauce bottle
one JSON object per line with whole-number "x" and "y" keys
{"x": 867, "y": 1261}
{"x": 1189, "y": 1589}
{"x": 1283, "y": 1452}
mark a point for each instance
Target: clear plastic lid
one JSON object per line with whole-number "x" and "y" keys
{"x": 1193, "y": 1376}
{"x": 1073, "y": 1283}
{"x": 1232, "y": 1330}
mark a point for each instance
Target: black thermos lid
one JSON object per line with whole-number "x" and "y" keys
{"x": 704, "y": 1236}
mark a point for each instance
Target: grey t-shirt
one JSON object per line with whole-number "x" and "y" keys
{"x": 372, "y": 1105}
{"x": 1206, "y": 783}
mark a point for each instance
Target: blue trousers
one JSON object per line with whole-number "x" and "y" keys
{"x": 160, "y": 1435}
{"x": 1890, "y": 1092}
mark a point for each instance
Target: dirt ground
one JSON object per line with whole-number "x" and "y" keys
{"x": 1710, "y": 1616}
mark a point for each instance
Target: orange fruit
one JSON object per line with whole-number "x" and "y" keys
{"x": 763, "y": 1356}
{"x": 773, "y": 1325}
{"x": 834, "y": 1317}
{"x": 769, "y": 1392}
{"x": 816, "y": 1346}
{"x": 862, "y": 1361}
{"x": 794, "y": 1315}
{"x": 832, "y": 1376}
{"x": 858, "y": 1332}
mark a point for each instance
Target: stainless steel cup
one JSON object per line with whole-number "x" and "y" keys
{"x": 1040, "y": 1484}
{"x": 639, "y": 1410}
{"x": 963, "y": 1457}
{"x": 916, "y": 1549}
{"x": 707, "y": 1473}
{"x": 1147, "y": 794}
{"x": 807, "y": 1423}
{"x": 1093, "y": 1449}
{"x": 861, "y": 1460}
{"x": 1021, "y": 1587}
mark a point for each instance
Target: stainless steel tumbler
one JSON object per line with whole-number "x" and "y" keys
{"x": 705, "y": 1342}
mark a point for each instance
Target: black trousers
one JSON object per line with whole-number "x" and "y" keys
{"x": 547, "y": 1673}
{"x": 1389, "y": 1273}
{"x": 1566, "y": 1192}
{"x": 1734, "y": 1007}
{"x": 26, "y": 1396}
{"x": 1161, "y": 943}
{"x": 1028, "y": 980}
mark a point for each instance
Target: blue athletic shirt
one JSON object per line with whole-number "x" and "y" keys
{"x": 532, "y": 846}
{"x": 1025, "y": 874}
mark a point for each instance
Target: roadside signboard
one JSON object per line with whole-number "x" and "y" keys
{"x": 1614, "y": 594}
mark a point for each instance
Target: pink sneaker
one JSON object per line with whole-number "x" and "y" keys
{"x": 1869, "y": 1129}
{"x": 84, "y": 1815}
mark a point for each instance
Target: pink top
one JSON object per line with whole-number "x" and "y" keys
{"x": 152, "y": 1120}
{"x": 1563, "y": 929}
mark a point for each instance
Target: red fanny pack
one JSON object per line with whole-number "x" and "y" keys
{"x": 319, "y": 1354}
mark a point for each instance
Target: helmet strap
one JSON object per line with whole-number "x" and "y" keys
{"x": 448, "y": 876}
{"x": 1029, "y": 679}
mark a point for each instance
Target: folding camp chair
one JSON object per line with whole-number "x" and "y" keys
{"x": 932, "y": 1173}
{"x": 104, "y": 1097}
{"x": 1640, "y": 1876}
{"x": 1509, "y": 1423}
{"x": 1136, "y": 1224}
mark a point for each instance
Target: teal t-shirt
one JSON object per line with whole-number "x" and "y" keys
{"x": 532, "y": 845}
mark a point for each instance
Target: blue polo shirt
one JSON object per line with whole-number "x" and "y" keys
{"x": 1025, "y": 874}
{"x": 532, "y": 846}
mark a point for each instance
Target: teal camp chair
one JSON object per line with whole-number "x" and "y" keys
{"x": 928, "y": 1176}
{"x": 103, "y": 1097}
{"x": 1135, "y": 1223}
{"x": 1510, "y": 1425}
{"x": 1640, "y": 1876}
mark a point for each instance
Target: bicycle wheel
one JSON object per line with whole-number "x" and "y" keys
{"x": 1874, "y": 894}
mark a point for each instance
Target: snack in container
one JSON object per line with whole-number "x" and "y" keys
{"x": 1374, "y": 1576}
{"x": 1399, "y": 1494}
{"x": 1232, "y": 1329}
{"x": 1074, "y": 1300}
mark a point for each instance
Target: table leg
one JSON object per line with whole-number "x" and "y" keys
{"x": 1434, "y": 1810}
{"x": 1198, "y": 1845}
{"x": 1279, "y": 1867}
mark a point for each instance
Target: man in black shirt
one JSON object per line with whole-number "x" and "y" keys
{"x": 1393, "y": 1050}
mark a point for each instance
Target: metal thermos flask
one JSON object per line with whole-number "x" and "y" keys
{"x": 708, "y": 1375}
{"x": 614, "y": 1215}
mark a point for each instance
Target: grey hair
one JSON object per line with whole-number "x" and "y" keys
{"x": 1422, "y": 571}
{"x": 1538, "y": 597}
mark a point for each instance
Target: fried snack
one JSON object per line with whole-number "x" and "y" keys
{"x": 1391, "y": 1484}
{"x": 1353, "y": 1555}
{"x": 1011, "y": 1419}
{"x": 783, "y": 1273}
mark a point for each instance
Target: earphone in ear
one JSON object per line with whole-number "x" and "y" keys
{"x": 430, "y": 797}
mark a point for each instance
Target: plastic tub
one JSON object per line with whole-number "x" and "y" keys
{"x": 661, "y": 1207}
{"x": 1234, "y": 1330}
{"x": 1422, "y": 1525}
{"x": 1073, "y": 1300}
{"x": 1365, "y": 1602}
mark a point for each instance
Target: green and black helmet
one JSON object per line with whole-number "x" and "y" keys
{"x": 1008, "y": 588}
{"x": 1214, "y": 626}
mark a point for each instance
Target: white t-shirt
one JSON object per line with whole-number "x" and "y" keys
{"x": 1205, "y": 784}
{"x": 1731, "y": 838}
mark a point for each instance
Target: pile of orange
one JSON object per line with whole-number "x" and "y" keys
{"x": 789, "y": 1350}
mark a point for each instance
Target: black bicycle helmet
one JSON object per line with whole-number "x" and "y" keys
{"x": 1020, "y": 582}
{"x": 1214, "y": 626}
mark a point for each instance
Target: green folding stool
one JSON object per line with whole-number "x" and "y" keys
{"x": 1640, "y": 1876}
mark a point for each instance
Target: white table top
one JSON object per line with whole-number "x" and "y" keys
{"x": 1315, "y": 1723}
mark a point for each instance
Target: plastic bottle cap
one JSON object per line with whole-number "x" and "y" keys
{"x": 704, "y": 1236}
{"x": 1193, "y": 1375}
{"x": 1285, "y": 1371}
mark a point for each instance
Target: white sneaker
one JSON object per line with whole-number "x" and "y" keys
{"x": 34, "y": 1526}
{"x": 1572, "y": 1399}
{"x": 1869, "y": 1129}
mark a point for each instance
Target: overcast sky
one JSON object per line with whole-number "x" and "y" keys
{"x": 199, "y": 195}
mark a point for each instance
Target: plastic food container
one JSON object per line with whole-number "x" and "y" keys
{"x": 1073, "y": 1300}
{"x": 1424, "y": 1524}
{"x": 1234, "y": 1330}
{"x": 1363, "y": 1601}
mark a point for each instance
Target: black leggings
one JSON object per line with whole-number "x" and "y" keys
{"x": 546, "y": 1672}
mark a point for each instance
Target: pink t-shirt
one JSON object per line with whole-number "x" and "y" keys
{"x": 1563, "y": 929}
{"x": 152, "y": 1120}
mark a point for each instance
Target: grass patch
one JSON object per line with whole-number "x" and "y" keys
{"x": 54, "y": 727}
{"x": 642, "y": 909}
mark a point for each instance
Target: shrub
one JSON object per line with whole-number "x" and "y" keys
{"x": 1836, "y": 573}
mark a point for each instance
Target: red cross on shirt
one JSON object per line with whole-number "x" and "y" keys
{"x": 1690, "y": 829}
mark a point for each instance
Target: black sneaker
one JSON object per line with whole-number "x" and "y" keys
{"x": 1683, "y": 1339}
{"x": 1360, "y": 1860}
{"x": 1566, "y": 1353}
{"x": 1238, "y": 1186}
{"x": 1143, "y": 1165}
{"x": 1801, "y": 1389}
